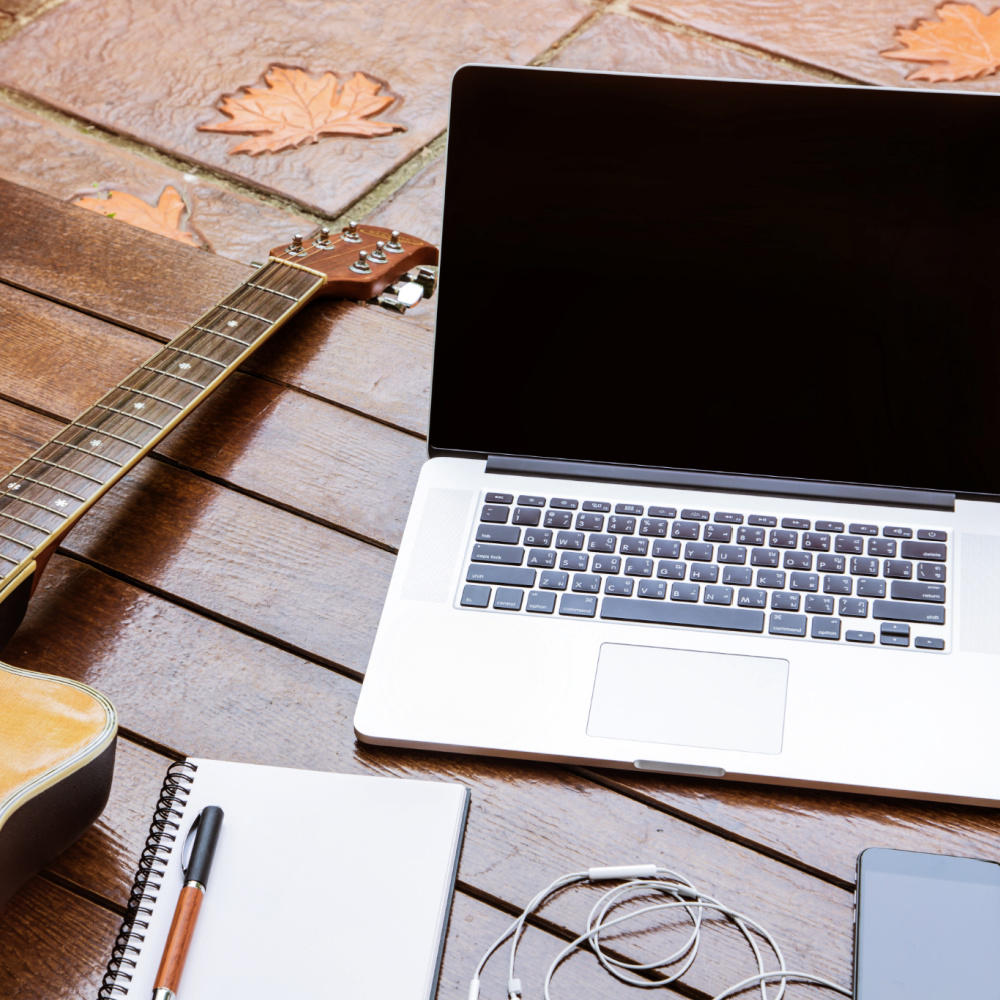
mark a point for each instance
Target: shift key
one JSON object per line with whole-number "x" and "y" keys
{"x": 506, "y": 554}
{"x": 907, "y": 611}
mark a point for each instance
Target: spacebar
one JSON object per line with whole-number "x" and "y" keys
{"x": 625, "y": 610}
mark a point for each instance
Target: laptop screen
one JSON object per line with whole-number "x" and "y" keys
{"x": 768, "y": 279}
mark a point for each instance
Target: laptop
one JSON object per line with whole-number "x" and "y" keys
{"x": 714, "y": 474}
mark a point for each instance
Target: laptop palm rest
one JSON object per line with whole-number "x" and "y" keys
{"x": 720, "y": 701}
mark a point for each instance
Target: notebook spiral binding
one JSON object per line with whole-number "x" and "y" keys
{"x": 159, "y": 844}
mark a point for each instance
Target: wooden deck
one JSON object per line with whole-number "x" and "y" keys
{"x": 225, "y": 595}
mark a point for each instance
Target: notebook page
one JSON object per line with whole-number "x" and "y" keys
{"x": 323, "y": 885}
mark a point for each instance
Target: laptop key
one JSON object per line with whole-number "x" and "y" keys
{"x": 629, "y": 508}
{"x": 542, "y": 558}
{"x": 816, "y": 540}
{"x": 765, "y": 557}
{"x": 849, "y": 544}
{"x": 574, "y": 561}
{"x": 586, "y": 583}
{"x": 718, "y": 533}
{"x": 740, "y": 576}
{"x": 476, "y": 597}
{"x": 558, "y": 519}
{"x": 563, "y": 503}
{"x": 531, "y": 501}
{"x": 784, "y": 539}
{"x": 569, "y": 540}
{"x": 619, "y": 585}
{"x": 597, "y": 505}
{"x": 798, "y": 560}
{"x": 527, "y": 515}
{"x": 507, "y": 498}
{"x": 762, "y": 519}
{"x": 882, "y": 547}
{"x": 540, "y": 603}
{"x": 726, "y": 518}
{"x": 636, "y": 546}
{"x": 497, "y": 554}
{"x": 653, "y": 526}
{"x": 926, "y": 642}
{"x": 669, "y": 512}
{"x": 750, "y": 598}
{"x": 832, "y": 526}
{"x": 825, "y": 628}
{"x": 891, "y": 531}
{"x": 502, "y": 534}
{"x": 663, "y": 549}
{"x": 510, "y": 576}
{"x": 890, "y": 639}
{"x": 781, "y": 623}
{"x": 589, "y": 522}
{"x": 672, "y": 613}
{"x": 853, "y": 607}
{"x": 578, "y": 605}
{"x": 653, "y": 589}
{"x": 804, "y": 581}
{"x": 798, "y": 523}
{"x": 554, "y": 580}
{"x": 732, "y": 554}
{"x": 827, "y": 563}
{"x": 895, "y": 628}
{"x": 621, "y": 525}
{"x": 855, "y": 635}
{"x": 702, "y": 551}
{"x": 718, "y": 595}
{"x": 670, "y": 570}
{"x": 508, "y": 600}
{"x": 638, "y": 567}
{"x": 771, "y": 578}
{"x": 606, "y": 564}
{"x": 750, "y": 536}
{"x": 495, "y": 514}
{"x": 936, "y": 551}
{"x": 705, "y": 572}
{"x": 863, "y": 566}
{"x": 931, "y": 571}
{"x": 684, "y": 592}
{"x": 782, "y": 600}
{"x": 863, "y": 529}
{"x": 837, "y": 584}
{"x": 871, "y": 588}
{"x": 904, "y": 590}
{"x": 539, "y": 537}
{"x": 904, "y": 611}
{"x": 602, "y": 543}
{"x": 932, "y": 535}
{"x": 897, "y": 568}
{"x": 685, "y": 529}
{"x": 690, "y": 514}
{"x": 819, "y": 604}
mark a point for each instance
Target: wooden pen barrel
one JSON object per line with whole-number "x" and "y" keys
{"x": 179, "y": 939}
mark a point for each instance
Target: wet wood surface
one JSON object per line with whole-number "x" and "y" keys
{"x": 225, "y": 594}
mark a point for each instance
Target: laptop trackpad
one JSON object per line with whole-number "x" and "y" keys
{"x": 722, "y": 701}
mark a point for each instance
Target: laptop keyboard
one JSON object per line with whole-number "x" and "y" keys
{"x": 867, "y": 584}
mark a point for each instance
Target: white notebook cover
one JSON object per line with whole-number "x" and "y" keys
{"x": 323, "y": 885}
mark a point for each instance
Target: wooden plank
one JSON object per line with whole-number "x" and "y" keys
{"x": 182, "y": 681}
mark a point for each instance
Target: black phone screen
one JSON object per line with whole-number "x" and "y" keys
{"x": 928, "y": 926}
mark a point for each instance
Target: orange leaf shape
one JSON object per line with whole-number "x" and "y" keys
{"x": 294, "y": 108}
{"x": 964, "y": 44}
{"x": 163, "y": 218}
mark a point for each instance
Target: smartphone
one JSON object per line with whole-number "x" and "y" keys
{"x": 927, "y": 926}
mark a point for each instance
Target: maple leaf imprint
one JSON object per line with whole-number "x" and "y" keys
{"x": 963, "y": 44}
{"x": 163, "y": 218}
{"x": 294, "y": 109}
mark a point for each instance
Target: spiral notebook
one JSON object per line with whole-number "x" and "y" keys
{"x": 323, "y": 885}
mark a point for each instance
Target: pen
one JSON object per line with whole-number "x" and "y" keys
{"x": 208, "y": 824}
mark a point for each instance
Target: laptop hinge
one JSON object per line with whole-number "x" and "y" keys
{"x": 730, "y": 483}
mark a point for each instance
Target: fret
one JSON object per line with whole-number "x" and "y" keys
{"x": 22, "y": 499}
{"x": 66, "y": 444}
{"x": 14, "y": 517}
{"x": 235, "y": 340}
{"x": 273, "y": 291}
{"x": 65, "y": 468}
{"x": 13, "y": 562}
{"x": 17, "y": 541}
{"x": 200, "y": 357}
{"x": 48, "y": 486}
{"x": 131, "y": 416}
{"x": 180, "y": 378}
{"x": 243, "y": 312}
{"x": 106, "y": 433}
{"x": 159, "y": 399}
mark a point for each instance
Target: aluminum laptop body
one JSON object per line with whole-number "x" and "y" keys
{"x": 713, "y": 486}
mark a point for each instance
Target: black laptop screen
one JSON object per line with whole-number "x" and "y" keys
{"x": 767, "y": 279}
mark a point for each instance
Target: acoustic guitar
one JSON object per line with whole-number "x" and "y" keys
{"x": 57, "y": 737}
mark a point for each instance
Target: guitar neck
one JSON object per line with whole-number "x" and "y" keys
{"x": 42, "y": 498}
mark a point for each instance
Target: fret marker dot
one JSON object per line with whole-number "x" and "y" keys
{"x": 96, "y": 443}
{"x": 138, "y": 406}
{"x": 60, "y": 503}
{"x": 13, "y": 486}
{"x": 183, "y": 364}
{"x": 232, "y": 322}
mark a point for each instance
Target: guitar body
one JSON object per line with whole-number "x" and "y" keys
{"x": 57, "y": 754}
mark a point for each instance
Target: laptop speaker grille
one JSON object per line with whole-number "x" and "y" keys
{"x": 980, "y": 594}
{"x": 440, "y": 538}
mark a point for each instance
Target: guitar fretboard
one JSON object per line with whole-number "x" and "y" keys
{"x": 49, "y": 490}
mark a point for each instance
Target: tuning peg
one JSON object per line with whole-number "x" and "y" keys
{"x": 295, "y": 247}
{"x": 394, "y": 246}
{"x": 377, "y": 256}
{"x": 350, "y": 233}
{"x": 427, "y": 280}
{"x": 360, "y": 266}
{"x": 400, "y": 296}
{"x": 322, "y": 239}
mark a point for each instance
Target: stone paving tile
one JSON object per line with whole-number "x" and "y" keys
{"x": 64, "y": 163}
{"x": 631, "y": 46}
{"x": 840, "y": 37}
{"x": 155, "y": 72}
{"x": 417, "y": 206}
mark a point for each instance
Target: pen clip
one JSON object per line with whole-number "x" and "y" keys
{"x": 189, "y": 845}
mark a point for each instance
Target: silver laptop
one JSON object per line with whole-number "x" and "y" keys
{"x": 714, "y": 485}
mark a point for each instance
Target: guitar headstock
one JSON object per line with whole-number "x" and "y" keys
{"x": 361, "y": 261}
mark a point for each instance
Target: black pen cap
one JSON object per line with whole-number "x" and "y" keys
{"x": 207, "y": 836}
